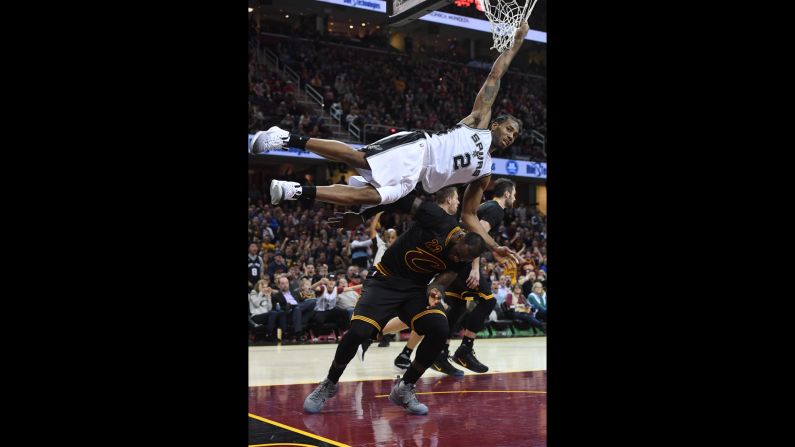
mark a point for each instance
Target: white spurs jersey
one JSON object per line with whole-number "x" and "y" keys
{"x": 456, "y": 156}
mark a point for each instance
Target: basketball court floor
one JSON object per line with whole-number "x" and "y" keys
{"x": 504, "y": 407}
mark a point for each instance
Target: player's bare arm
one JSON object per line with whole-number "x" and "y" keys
{"x": 474, "y": 274}
{"x": 439, "y": 285}
{"x": 469, "y": 207}
{"x": 469, "y": 217}
{"x": 481, "y": 111}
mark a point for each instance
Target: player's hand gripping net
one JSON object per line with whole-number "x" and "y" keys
{"x": 505, "y": 17}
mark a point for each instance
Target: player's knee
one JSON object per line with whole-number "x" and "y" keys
{"x": 387, "y": 195}
{"x": 361, "y": 330}
{"x": 358, "y": 160}
{"x": 369, "y": 196}
{"x": 487, "y": 305}
{"x": 432, "y": 326}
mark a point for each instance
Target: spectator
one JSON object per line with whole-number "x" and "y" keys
{"x": 359, "y": 250}
{"x": 309, "y": 273}
{"x": 538, "y": 299}
{"x": 326, "y": 306}
{"x": 529, "y": 280}
{"x": 277, "y": 266}
{"x": 518, "y": 309}
{"x": 299, "y": 307}
{"x": 542, "y": 278}
{"x": 347, "y": 297}
{"x": 264, "y": 311}
{"x": 256, "y": 266}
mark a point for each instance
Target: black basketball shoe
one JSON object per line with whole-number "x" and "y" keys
{"x": 442, "y": 364}
{"x": 465, "y": 356}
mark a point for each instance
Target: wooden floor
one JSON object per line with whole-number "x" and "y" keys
{"x": 503, "y": 407}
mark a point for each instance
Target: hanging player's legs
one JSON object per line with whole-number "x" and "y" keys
{"x": 276, "y": 139}
{"x": 389, "y": 169}
{"x": 337, "y": 194}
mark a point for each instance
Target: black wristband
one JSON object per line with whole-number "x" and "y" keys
{"x": 308, "y": 192}
{"x": 297, "y": 141}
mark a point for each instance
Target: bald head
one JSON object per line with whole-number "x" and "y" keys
{"x": 389, "y": 236}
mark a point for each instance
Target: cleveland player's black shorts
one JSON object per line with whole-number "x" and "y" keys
{"x": 459, "y": 291}
{"x": 383, "y": 297}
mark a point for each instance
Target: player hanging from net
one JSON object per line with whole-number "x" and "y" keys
{"x": 392, "y": 167}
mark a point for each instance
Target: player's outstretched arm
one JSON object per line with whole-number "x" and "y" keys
{"x": 481, "y": 111}
{"x": 374, "y": 225}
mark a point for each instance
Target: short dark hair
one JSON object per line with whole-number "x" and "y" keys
{"x": 505, "y": 117}
{"x": 503, "y": 185}
{"x": 475, "y": 243}
{"x": 445, "y": 193}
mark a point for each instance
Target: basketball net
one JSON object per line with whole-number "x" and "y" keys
{"x": 505, "y": 17}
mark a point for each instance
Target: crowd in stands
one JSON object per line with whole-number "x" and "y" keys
{"x": 272, "y": 101}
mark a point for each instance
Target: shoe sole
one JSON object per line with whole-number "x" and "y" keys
{"x": 276, "y": 193}
{"x": 321, "y": 407}
{"x": 253, "y": 140}
{"x": 313, "y": 412}
{"x": 310, "y": 411}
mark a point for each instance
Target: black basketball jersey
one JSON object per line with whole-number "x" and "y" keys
{"x": 421, "y": 252}
{"x": 492, "y": 213}
{"x": 254, "y": 269}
